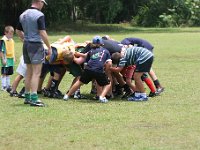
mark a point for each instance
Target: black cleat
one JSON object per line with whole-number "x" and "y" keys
{"x": 159, "y": 90}
{"x": 14, "y": 94}
{"x": 37, "y": 104}
{"x": 152, "y": 94}
{"x": 126, "y": 95}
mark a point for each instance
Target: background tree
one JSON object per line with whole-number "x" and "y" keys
{"x": 147, "y": 13}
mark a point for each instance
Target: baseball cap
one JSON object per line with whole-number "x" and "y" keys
{"x": 97, "y": 40}
{"x": 44, "y": 2}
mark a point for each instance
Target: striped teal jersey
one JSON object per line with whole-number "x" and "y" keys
{"x": 135, "y": 56}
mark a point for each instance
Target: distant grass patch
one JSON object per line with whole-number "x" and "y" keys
{"x": 170, "y": 121}
{"x": 83, "y": 27}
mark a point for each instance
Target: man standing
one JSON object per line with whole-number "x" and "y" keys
{"x": 32, "y": 31}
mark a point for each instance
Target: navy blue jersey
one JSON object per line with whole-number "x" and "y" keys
{"x": 137, "y": 42}
{"x": 112, "y": 46}
{"x": 96, "y": 59}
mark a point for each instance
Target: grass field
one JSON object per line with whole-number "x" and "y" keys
{"x": 170, "y": 121}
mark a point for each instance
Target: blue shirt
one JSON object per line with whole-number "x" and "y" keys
{"x": 112, "y": 46}
{"x": 137, "y": 42}
{"x": 96, "y": 59}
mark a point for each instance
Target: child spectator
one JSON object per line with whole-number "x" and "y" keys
{"x": 7, "y": 55}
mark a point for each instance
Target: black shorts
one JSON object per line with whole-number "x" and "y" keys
{"x": 144, "y": 67}
{"x": 74, "y": 69}
{"x": 101, "y": 78}
{"x": 7, "y": 70}
{"x": 46, "y": 68}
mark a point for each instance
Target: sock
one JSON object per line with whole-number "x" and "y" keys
{"x": 34, "y": 97}
{"x": 7, "y": 81}
{"x": 3, "y": 82}
{"x": 137, "y": 94}
{"x": 150, "y": 84}
{"x": 157, "y": 83}
{"x": 143, "y": 94}
{"x": 27, "y": 96}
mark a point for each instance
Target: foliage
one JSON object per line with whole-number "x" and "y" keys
{"x": 146, "y": 13}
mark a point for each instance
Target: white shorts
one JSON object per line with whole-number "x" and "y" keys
{"x": 21, "y": 69}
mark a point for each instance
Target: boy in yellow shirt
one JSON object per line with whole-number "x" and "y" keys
{"x": 7, "y": 55}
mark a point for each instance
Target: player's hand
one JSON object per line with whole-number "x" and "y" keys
{"x": 49, "y": 52}
{"x": 4, "y": 62}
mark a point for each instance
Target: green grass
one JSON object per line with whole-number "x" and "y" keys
{"x": 169, "y": 121}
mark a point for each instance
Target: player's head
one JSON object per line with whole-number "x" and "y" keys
{"x": 68, "y": 57}
{"x": 96, "y": 42}
{"x": 116, "y": 58}
{"x": 9, "y": 31}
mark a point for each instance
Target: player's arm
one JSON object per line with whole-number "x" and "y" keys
{"x": 116, "y": 69}
{"x": 2, "y": 55}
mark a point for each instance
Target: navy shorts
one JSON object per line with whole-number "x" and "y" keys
{"x": 7, "y": 70}
{"x": 74, "y": 69}
{"x": 144, "y": 67}
{"x": 46, "y": 68}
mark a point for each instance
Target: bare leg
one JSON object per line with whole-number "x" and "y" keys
{"x": 35, "y": 77}
{"x": 15, "y": 84}
{"x": 138, "y": 82}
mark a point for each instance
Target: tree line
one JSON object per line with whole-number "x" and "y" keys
{"x": 145, "y": 13}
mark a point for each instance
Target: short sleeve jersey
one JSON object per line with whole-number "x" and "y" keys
{"x": 135, "y": 56}
{"x": 31, "y": 21}
{"x": 96, "y": 59}
{"x": 112, "y": 46}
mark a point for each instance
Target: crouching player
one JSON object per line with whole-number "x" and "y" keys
{"x": 97, "y": 58}
{"x": 143, "y": 59}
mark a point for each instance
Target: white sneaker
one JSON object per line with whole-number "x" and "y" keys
{"x": 102, "y": 99}
{"x": 66, "y": 97}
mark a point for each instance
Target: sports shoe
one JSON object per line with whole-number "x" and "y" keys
{"x": 27, "y": 101}
{"x": 66, "y": 97}
{"x": 102, "y": 99}
{"x": 152, "y": 94}
{"x": 57, "y": 94}
{"x": 45, "y": 92}
{"x": 4, "y": 88}
{"x": 21, "y": 95}
{"x": 8, "y": 89}
{"x": 79, "y": 96}
{"x": 109, "y": 96}
{"x": 126, "y": 95}
{"x": 38, "y": 103}
{"x": 95, "y": 98}
{"x": 159, "y": 90}
{"x": 13, "y": 94}
{"x": 138, "y": 99}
